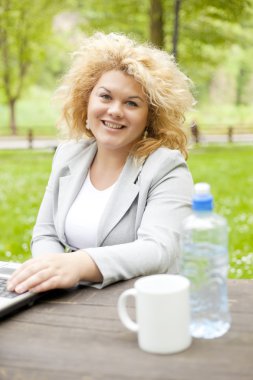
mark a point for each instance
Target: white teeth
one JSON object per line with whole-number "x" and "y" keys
{"x": 111, "y": 125}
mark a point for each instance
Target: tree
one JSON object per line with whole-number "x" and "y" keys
{"x": 25, "y": 28}
{"x": 196, "y": 31}
{"x": 175, "y": 37}
{"x": 120, "y": 16}
{"x": 207, "y": 29}
{"x": 156, "y": 33}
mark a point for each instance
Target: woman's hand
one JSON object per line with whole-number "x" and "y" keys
{"x": 53, "y": 271}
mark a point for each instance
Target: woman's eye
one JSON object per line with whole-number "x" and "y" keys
{"x": 105, "y": 96}
{"x": 132, "y": 104}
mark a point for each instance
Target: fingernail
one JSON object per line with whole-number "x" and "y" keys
{"x": 10, "y": 287}
{"x": 20, "y": 289}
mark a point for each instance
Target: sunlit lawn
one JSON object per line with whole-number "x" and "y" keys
{"x": 23, "y": 177}
{"x": 24, "y": 174}
{"x": 228, "y": 169}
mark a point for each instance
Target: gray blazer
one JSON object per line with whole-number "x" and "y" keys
{"x": 140, "y": 228}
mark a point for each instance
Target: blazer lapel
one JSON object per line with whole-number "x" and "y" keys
{"x": 70, "y": 185}
{"x": 121, "y": 199}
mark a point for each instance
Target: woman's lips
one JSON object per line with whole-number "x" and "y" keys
{"x": 111, "y": 125}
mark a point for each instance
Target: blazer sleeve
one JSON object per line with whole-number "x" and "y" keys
{"x": 45, "y": 238}
{"x": 46, "y": 235}
{"x": 157, "y": 247}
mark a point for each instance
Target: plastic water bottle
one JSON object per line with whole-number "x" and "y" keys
{"x": 205, "y": 263}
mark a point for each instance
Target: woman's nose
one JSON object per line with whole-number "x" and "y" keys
{"x": 115, "y": 110}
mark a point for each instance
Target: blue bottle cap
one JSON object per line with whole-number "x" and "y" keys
{"x": 202, "y": 199}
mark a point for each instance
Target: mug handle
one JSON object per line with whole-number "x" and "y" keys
{"x": 122, "y": 310}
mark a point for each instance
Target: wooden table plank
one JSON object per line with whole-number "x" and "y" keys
{"x": 79, "y": 336}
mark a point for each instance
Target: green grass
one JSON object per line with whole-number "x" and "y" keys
{"x": 228, "y": 169}
{"x": 23, "y": 177}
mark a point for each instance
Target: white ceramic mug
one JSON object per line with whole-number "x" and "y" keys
{"x": 162, "y": 313}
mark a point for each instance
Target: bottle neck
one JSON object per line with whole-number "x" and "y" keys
{"x": 202, "y": 213}
{"x": 202, "y": 203}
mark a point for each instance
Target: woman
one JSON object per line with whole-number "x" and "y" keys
{"x": 118, "y": 193}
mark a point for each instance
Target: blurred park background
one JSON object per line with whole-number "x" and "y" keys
{"x": 212, "y": 41}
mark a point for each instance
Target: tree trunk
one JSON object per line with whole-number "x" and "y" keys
{"x": 13, "y": 125}
{"x": 177, "y": 4}
{"x": 240, "y": 86}
{"x": 156, "y": 23}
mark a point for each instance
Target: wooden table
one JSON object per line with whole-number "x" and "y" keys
{"x": 78, "y": 336}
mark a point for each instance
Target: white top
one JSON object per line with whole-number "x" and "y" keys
{"x": 82, "y": 221}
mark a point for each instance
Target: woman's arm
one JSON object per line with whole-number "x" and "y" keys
{"x": 52, "y": 271}
{"x": 45, "y": 238}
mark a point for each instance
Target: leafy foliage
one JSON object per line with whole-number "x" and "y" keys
{"x": 120, "y": 16}
{"x": 207, "y": 29}
{"x": 25, "y": 29}
{"x": 32, "y": 51}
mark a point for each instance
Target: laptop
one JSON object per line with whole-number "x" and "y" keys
{"x": 11, "y": 301}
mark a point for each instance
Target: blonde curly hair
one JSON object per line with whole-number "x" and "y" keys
{"x": 167, "y": 89}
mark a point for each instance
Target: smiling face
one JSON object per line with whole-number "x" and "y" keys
{"x": 117, "y": 112}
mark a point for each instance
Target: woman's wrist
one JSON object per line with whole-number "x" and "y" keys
{"x": 88, "y": 269}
